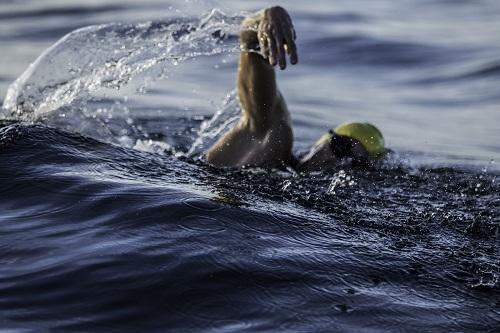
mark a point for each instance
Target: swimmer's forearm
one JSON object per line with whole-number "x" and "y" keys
{"x": 256, "y": 78}
{"x": 263, "y": 38}
{"x": 257, "y": 88}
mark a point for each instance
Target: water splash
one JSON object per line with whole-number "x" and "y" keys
{"x": 340, "y": 179}
{"x": 210, "y": 130}
{"x": 110, "y": 56}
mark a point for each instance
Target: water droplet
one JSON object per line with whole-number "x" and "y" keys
{"x": 286, "y": 185}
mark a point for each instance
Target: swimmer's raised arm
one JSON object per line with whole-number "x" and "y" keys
{"x": 263, "y": 137}
{"x": 263, "y": 40}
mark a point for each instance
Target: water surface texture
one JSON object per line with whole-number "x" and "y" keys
{"x": 109, "y": 222}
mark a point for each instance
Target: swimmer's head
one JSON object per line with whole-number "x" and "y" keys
{"x": 367, "y": 135}
{"x": 355, "y": 140}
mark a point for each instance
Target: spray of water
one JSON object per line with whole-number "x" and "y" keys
{"x": 61, "y": 82}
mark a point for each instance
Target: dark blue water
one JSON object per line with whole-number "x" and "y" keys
{"x": 110, "y": 223}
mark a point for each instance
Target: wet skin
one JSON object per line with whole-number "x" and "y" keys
{"x": 263, "y": 136}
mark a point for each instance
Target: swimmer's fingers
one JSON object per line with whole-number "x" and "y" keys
{"x": 275, "y": 34}
{"x": 290, "y": 36}
{"x": 269, "y": 28}
{"x": 263, "y": 41}
{"x": 264, "y": 47}
{"x": 280, "y": 47}
{"x": 273, "y": 51}
{"x": 291, "y": 48}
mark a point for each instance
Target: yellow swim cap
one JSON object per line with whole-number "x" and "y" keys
{"x": 367, "y": 134}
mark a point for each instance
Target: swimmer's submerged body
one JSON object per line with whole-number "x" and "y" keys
{"x": 263, "y": 136}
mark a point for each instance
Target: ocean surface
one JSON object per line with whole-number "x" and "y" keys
{"x": 110, "y": 222}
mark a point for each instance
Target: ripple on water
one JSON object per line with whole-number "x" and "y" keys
{"x": 202, "y": 223}
{"x": 202, "y": 205}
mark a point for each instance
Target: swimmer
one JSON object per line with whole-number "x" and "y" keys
{"x": 263, "y": 137}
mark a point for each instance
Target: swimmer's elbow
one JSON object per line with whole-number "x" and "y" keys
{"x": 211, "y": 157}
{"x": 248, "y": 39}
{"x": 216, "y": 158}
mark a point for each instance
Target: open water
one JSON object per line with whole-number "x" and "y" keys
{"x": 109, "y": 222}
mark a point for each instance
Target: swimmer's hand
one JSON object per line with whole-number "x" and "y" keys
{"x": 276, "y": 36}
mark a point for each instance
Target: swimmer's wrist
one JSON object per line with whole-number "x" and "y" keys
{"x": 249, "y": 41}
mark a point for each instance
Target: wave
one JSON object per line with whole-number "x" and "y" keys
{"x": 485, "y": 71}
{"x": 98, "y": 235}
{"x": 366, "y": 50}
{"x": 39, "y": 148}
